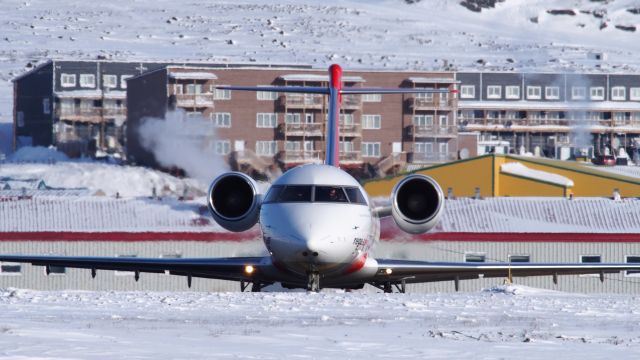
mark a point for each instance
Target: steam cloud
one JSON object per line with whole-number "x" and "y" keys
{"x": 184, "y": 142}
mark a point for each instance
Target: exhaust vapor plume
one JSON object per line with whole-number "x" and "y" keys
{"x": 185, "y": 142}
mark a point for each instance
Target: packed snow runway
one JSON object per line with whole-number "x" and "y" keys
{"x": 506, "y": 322}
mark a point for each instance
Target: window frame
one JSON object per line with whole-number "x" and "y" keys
{"x": 371, "y": 121}
{"x": 549, "y": 92}
{"x": 634, "y": 93}
{"x": 582, "y": 257}
{"x": 467, "y": 91}
{"x": 480, "y": 255}
{"x": 619, "y": 97}
{"x": 531, "y": 89}
{"x": 222, "y": 147}
{"x": 272, "y": 121}
{"x": 578, "y": 93}
{"x": 371, "y": 145}
{"x": 221, "y": 94}
{"x": 632, "y": 273}
{"x": 107, "y": 84}
{"x": 261, "y": 145}
{"x": 494, "y": 92}
{"x": 507, "y": 94}
{"x": 371, "y": 98}
{"x": 67, "y": 77}
{"x": 596, "y": 89}
{"x": 218, "y": 123}
{"x": 10, "y": 264}
{"x": 87, "y": 84}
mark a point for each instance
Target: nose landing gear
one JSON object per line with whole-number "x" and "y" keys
{"x": 313, "y": 282}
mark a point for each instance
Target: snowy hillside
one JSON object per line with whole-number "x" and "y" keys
{"x": 504, "y": 323}
{"x": 532, "y": 35}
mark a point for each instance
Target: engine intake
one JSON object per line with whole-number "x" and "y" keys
{"x": 416, "y": 203}
{"x": 234, "y": 201}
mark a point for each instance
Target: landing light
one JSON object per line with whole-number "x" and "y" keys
{"x": 249, "y": 269}
{"x": 388, "y": 271}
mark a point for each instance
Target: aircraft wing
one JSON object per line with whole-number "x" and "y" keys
{"x": 234, "y": 268}
{"x": 396, "y": 271}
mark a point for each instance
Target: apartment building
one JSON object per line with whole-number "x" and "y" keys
{"x": 262, "y": 133}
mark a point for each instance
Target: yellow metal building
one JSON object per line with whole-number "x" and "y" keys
{"x": 511, "y": 175}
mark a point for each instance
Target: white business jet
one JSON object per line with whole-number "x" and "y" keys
{"x": 319, "y": 226}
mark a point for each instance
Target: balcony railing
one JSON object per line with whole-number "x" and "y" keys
{"x": 350, "y": 157}
{"x": 302, "y": 129}
{"x": 429, "y": 158}
{"x": 350, "y": 130}
{"x": 351, "y": 102}
{"x": 301, "y": 156}
{"x": 194, "y": 100}
{"x": 432, "y": 131}
{"x": 436, "y": 102}
{"x": 89, "y": 114}
{"x": 522, "y": 123}
{"x": 302, "y": 101}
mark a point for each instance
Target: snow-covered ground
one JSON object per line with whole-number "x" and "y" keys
{"x": 504, "y": 323}
{"x": 516, "y": 34}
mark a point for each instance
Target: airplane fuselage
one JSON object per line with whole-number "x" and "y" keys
{"x": 318, "y": 219}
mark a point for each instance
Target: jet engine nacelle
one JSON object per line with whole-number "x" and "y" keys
{"x": 416, "y": 203}
{"x": 234, "y": 201}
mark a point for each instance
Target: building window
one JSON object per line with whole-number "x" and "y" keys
{"x": 266, "y": 148}
{"x": 596, "y": 93}
{"x": 222, "y": 147}
{"x": 56, "y": 270}
{"x": 266, "y": 95}
{"x": 193, "y": 89}
{"x": 552, "y": 93}
{"x": 266, "y": 120}
{"x": 221, "y": 94}
{"x": 494, "y": 92}
{"x": 590, "y": 259}
{"x": 292, "y": 146}
{"x": 423, "y": 147}
{"x": 68, "y": 80}
{"x": 292, "y": 118}
{"x": 475, "y": 257}
{"x": 371, "y": 121}
{"x": 467, "y": 91}
{"x": 46, "y": 106}
{"x": 423, "y": 120}
{"x": 618, "y": 93}
{"x": 519, "y": 258}
{"x": 632, "y": 259}
{"x": 110, "y": 81}
{"x": 177, "y": 89}
{"x": 10, "y": 268}
{"x": 534, "y": 92}
{"x": 87, "y": 80}
{"x": 634, "y": 93}
{"x": 125, "y": 273}
{"x": 578, "y": 93}
{"x": 345, "y": 147}
{"x": 345, "y": 119}
{"x": 512, "y": 92}
{"x": 123, "y": 80}
{"x": 371, "y": 149}
{"x": 221, "y": 119}
{"x": 372, "y": 98}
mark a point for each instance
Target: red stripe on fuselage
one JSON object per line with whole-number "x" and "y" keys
{"x": 357, "y": 264}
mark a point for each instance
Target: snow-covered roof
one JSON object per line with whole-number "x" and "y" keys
{"x": 92, "y": 94}
{"x": 318, "y": 78}
{"x": 425, "y": 80}
{"x": 550, "y": 105}
{"x": 193, "y": 75}
{"x": 518, "y": 169}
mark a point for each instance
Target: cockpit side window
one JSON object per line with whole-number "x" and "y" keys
{"x": 273, "y": 194}
{"x": 355, "y": 196}
{"x": 295, "y": 193}
{"x": 330, "y": 194}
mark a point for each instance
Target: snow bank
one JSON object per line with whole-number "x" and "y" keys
{"x": 517, "y": 168}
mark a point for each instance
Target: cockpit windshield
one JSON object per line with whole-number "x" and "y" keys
{"x": 315, "y": 193}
